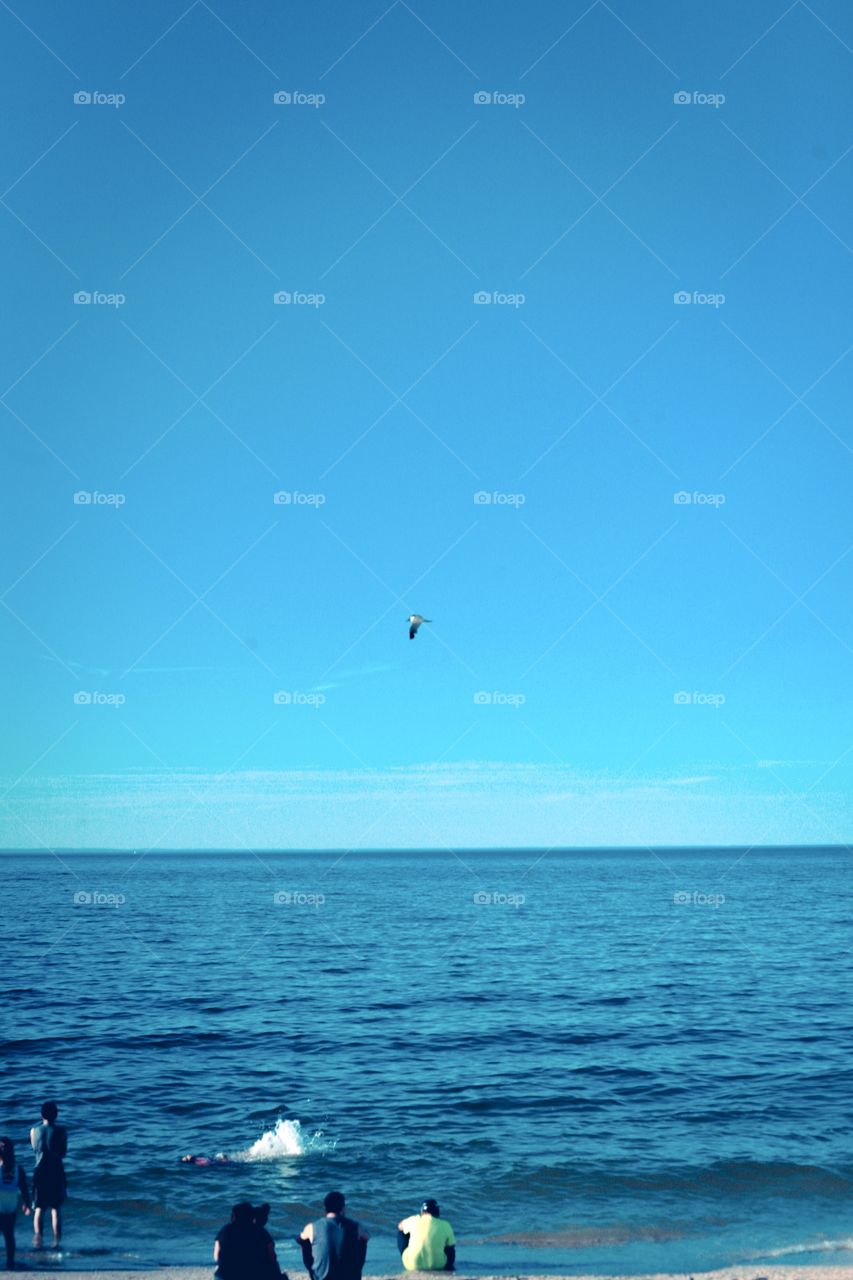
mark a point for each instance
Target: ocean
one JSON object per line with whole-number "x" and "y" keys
{"x": 607, "y": 1060}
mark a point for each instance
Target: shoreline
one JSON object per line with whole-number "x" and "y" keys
{"x": 750, "y": 1272}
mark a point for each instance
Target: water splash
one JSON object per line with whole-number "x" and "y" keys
{"x": 812, "y": 1246}
{"x": 287, "y": 1138}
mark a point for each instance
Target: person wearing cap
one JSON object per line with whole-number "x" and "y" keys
{"x": 426, "y": 1240}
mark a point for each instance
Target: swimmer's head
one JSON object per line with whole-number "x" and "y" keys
{"x": 431, "y": 1206}
{"x": 334, "y": 1202}
{"x": 243, "y": 1214}
{"x": 49, "y": 1112}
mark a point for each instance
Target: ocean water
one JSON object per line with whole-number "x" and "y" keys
{"x": 595, "y": 1060}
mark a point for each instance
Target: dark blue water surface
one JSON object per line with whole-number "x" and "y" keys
{"x": 607, "y": 1060}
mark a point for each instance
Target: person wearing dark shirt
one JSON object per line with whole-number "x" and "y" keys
{"x": 13, "y": 1191}
{"x": 243, "y": 1249}
{"x": 334, "y": 1247}
{"x": 50, "y": 1143}
{"x": 273, "y": 1270}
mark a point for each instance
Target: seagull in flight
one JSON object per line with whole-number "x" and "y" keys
{"x": 414, "y": 620}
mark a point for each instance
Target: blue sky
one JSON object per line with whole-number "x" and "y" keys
{"x": 191, "y": 663}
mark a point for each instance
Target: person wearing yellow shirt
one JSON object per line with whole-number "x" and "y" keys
{"x": 426, "y": 1240}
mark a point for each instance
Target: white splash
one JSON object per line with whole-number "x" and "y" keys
{"x": 814, "y": 1246}
{"x": 286, "y": 1139}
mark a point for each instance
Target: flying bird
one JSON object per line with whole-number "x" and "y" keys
{"x": 414, "y": 621}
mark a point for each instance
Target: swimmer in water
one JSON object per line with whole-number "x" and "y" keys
{"x": 205, "y": 1160}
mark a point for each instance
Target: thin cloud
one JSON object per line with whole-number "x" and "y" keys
{"x": 350, "y": 674}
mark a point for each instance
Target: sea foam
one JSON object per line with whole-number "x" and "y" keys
{"x": 810, "y": 1246}
{"x": 287, "y": 1138}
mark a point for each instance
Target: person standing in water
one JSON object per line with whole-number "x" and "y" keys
{"x": 50, "y": 1143}
{"x": 13, "y": 1192}
{"x": 334, "y": 1247}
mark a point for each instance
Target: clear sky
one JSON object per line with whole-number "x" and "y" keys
{"x": 605, "y": 664}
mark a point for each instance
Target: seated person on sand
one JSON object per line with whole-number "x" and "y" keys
{"x": 334, "y": 1247}
{"x": 426, "y": 1240}
{"x": 244, "y": 1249}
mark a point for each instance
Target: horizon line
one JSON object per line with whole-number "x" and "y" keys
{"x": 342, "y": 849}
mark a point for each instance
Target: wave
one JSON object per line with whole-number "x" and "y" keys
{"x": 587, "y": 1237}
{"x": 286, "y": 1138}
{"x": 814, "y": 1246}
{"x": 729, "y": 1178}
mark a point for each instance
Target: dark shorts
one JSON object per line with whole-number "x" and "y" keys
{"x": 49, "y": 1185}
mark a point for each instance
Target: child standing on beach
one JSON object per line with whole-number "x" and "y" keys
{"x": 13, "y": 1192}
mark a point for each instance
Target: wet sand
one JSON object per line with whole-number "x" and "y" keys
{"x": 728, "y": 1273}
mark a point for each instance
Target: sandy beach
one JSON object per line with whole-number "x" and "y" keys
{"x": 728, "y": 1273}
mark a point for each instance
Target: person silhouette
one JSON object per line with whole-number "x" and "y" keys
{"x": 334, "y": 1247}
{"x": 243, "y": 1249}
{"x": 49, "y": 1141}
{"x": 13, "y": 1192}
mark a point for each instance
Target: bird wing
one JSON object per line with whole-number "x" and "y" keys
{"x": 413, "y": 630}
